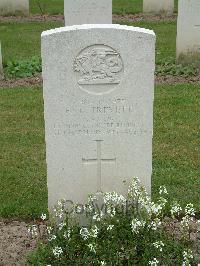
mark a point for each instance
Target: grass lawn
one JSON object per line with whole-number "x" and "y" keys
{"x": 22, "y": 40}
{"x": 57, "y": 6}
{"x": 23, "y": 191}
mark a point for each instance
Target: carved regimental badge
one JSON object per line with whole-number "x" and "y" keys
{"x": 98, "y": 68}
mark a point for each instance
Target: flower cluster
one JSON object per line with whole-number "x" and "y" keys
{"x": 163, "y": 190}
{"x": 86, "y": 233}
{"x": 136, "y": 225}
{"x": 33, "y": 231}
{"x": 175, "y": 210}
{"x": 92, "y": 247}
{"x": 114, "y": 237}
{"x": 187, "y": 220}
{"x": 159, "y": 245}
{"x": 187, "y": 257}
{"x": 112, "y": 202}
{"x": 57, "y": 251}
{"x": 154, "y": 262}
{"x": 189, "y": 210}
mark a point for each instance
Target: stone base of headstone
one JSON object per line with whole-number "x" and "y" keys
{"x": 158, "y": 7}
{"x": 188, "y": 32}
{"x": 14, "y": 7}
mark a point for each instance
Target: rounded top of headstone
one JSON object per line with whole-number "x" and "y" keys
{"x": 97, "y": 26}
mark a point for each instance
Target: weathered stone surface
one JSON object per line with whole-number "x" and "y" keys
{"x": 98, "y": 99}
{"x": 14, "y": 7}
{"x": 79, "y": 12}
{"x": 188, "y": 31}
{"x": 1, "y": 65}
{"x": 159, "y": 7}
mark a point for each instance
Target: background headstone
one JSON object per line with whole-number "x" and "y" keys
{"x": 79, "y": 12}
{"x": 14, "y": 7}
{"x": 165, "y": 7}
{"x": 188, "y": 31}
{"x": 98, "y": 100}
{"x": 1, "y": 65}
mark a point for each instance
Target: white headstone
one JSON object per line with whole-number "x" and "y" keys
{"x": 14, "y": 7}
{"x": 165, "y": 7}
{"x": 98, "y": 99}
{"x": 1, "y": 64}
{"x": 188, "y": 30}
{"x": 79, "y": 12}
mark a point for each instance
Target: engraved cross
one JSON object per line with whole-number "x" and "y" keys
{"x": 98, "y": 160}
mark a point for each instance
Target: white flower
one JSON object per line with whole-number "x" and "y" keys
{"x": 92, "y": 248}
{"x": 111, "y": 211}
{"x": 79, "y": 209}
{"x": 33, "y": 230}
{"x": 162, "y": 190}
{"x": 156, "y": 208}
{"x": 175, "y": 209}
{"x": 110, "y": 227}
{"x": 51, "y": 237}
{"x": 49, "y": 230}
{"x": 185, "y": 223}
{"x": 60, "y": 204}
{"x": 155, "y": 224}
{"x": 61, "y": 225}
{"x": 67, "y": 234}
{"x": 136, "y": 225}
{"x": 59, "y": 210}
{"x": 102, "y": 263}
{"x": 84, "y": 233}
{"x": 92, "y": 198}
{"x": 189, "y": 209}
{"x": 94, "y": 231}
{"x": 88, "y": 208}
{"x": 113, "y": 199}
{"x": 57, "y": 251}
{"x": 43, "y": 216}
{"x": 159, "y": 245}
{"x": 60, "y": 215}
{"x": 187, "y": 256}
{"x": 134, "y": 188}
{"x": 154, "y": 262}
{"x": 98, "y": 216}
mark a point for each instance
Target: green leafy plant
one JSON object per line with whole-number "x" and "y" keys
{"x": 24, "y": 67}
{"x": 120, "y": 231}
{"x": 171, "y": 68}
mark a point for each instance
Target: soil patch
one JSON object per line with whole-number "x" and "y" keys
{"x": 22, "y": 82}
{"x": 168, "y": 79}
{"x": 116, "y": 17}
{"x": 14, "y": 243}
{"x": 37, "y": 81}
{"x": 32, "y": 18}
{"x": 143, "y": 17}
